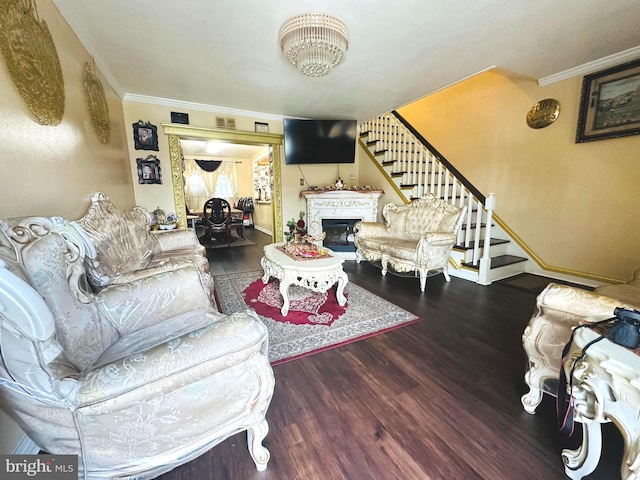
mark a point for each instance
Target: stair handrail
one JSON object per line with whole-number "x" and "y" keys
{"x": 456, "y": 173}
{"x": 409, "y": 160}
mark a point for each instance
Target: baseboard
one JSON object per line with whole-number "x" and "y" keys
{"x": 263, "y": 230}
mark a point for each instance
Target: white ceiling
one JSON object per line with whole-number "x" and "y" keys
{"x": 225, "y": 53}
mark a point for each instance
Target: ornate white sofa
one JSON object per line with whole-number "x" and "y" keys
{"x": 559, "y": 308}
{"x": 135, "y": 379}
{"x": 120, "y": 246}
{"x": 418, "y": 236}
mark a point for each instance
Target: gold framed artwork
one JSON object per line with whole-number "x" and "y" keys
{"x": 543, "y": 113}
{"x": 97, "y": 103}
{"x": 610, "y": 103}
{"x": 32, "y": 60}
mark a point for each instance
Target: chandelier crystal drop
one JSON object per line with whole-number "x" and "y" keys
{"x": 314, "y": 43}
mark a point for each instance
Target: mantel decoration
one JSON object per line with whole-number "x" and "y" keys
{"x": 314, "y": 43}
{"x": 149, "y": 170}
{"x": 32, "y": 60}
{"x": 610, "y": 103}
{"x": 145, "y": 136}
{"x": 97, "y": 102}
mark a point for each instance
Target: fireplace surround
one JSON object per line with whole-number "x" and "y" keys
{"x": 341, "y": 207}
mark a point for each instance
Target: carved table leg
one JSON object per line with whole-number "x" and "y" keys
{"x": 258, "y": 452}
{"x": 584, "y": 460}
{"x": 265, "y": 266}
{"x": 284, "y": 291}
{"x": 342, "y": 281}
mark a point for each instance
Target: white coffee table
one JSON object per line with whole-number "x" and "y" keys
{"x": 317, "y": 274}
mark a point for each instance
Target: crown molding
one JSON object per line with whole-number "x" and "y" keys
{"x": 600, "y": 64}
{"x": 167, "y": 102}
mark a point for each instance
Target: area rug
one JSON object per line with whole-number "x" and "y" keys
{"x": 365, "y": 315}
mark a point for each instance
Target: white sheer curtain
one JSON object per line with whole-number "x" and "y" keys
{"x": 201, "y": 185}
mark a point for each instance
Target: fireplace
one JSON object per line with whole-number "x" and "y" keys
{"x": 339, "y": 234}
{"x": 340, "y": 210}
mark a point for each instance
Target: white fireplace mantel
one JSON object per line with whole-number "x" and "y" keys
{"x": 340, "y": 204}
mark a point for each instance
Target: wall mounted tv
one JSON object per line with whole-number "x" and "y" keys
{"x": 319, "y": 141}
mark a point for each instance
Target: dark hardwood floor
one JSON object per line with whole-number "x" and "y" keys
{"x": 438, "y": 399}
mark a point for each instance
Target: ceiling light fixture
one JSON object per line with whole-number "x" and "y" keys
{"x": 314, "y": 43}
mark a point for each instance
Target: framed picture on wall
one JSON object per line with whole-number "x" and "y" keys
{"x": 149, "y": 170}
{"x": 145, "y": 136}
{"x": 610, "y": 103}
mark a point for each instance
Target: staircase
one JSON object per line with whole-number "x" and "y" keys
{"x": 484, "y": 251}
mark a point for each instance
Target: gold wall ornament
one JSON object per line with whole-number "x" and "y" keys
{"x": 543, "y": 113}
{"x": 97, "y": 102}
{"x": 32, "y": 60}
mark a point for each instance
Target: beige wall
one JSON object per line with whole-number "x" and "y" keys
{"x": 53, "y": 170}
{"x": 152, "y": 196}
{"x": 574, "y": 205}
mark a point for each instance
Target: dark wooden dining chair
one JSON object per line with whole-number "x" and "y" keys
{"x": 217, "y": 220}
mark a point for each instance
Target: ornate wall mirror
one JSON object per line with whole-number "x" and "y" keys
{"x": 177, "y": 132}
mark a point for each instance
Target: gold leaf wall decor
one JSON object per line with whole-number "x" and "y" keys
{"x": 97, "y": 102}
{"x": 32, "y": 60}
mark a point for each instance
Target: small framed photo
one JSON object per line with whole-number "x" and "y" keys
{"x": 231, "y": 123}
{"x": 149, "y": 170}
{"x": 145, "y": 136}
{"x": 220, "y": 122}
{"x": 261, "y": 127}
{"x": 179, "y": 117}
{"x": 610, "y": 104}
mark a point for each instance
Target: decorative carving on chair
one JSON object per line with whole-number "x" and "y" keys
{"x": 150, "y": 362}
{"x": 416, "y": 237}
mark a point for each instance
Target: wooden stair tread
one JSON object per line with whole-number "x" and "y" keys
{"x": 492, "y": 242}
{"x": 499, "y": 261}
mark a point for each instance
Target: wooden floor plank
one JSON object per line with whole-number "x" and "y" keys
{"x": 434, "y": 400}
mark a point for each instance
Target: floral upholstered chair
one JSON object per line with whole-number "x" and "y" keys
{"x": 418, "y": 237}
{"x": 120, "y": 246}
{"x": 135, "y": 379}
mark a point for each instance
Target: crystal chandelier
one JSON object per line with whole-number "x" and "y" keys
{"x": 314, "y": 43}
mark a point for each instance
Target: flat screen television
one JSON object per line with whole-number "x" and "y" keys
{"x": 319, "y": 141}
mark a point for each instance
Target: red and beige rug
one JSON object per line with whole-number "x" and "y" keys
{"x": 315, "y": 321}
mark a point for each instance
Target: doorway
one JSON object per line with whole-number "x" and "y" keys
{"x": 177, "y": 132}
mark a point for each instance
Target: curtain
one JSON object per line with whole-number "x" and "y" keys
{"x": 201, "y": 185}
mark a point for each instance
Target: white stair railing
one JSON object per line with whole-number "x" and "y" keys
{"x": 424, "y": 170}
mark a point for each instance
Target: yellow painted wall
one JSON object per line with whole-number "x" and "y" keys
{"x": 53, "y": 170}
{"x": 574, "y": 205}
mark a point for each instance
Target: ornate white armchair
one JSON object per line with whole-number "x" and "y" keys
{"x": 418, "y": 236}
{"x": 136, "y": 379}
{"x": 560, "y": 308}
{"x": 120, "y": 246}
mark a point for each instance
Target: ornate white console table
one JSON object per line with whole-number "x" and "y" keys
{"x": 606, "y": 388}
{"x": 340, "y": 204}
